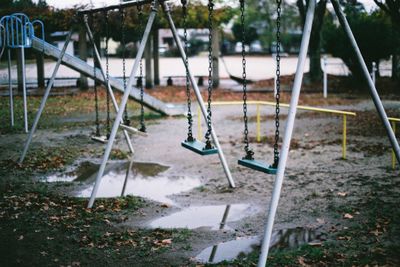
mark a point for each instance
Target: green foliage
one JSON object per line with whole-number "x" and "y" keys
{"x": 374, "y": 34}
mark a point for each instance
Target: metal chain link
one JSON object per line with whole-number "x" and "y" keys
{"x": 141, "y": 84}
{"x": 96, "y": 99}
{"x": 107, "y": 75}
{"x": 210, "y": 72}
{"x": 126, "y": 117}
{"x": 249, "y": 152}
{"x": 278, "y": 82}
{"x": 190, "y": 137}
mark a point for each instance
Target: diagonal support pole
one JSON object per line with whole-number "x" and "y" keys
{"x": 371, "y": 86}
{"x": 123, "y": 103}
{"x": 107, "y": 81}
{"x": 45, "y": 97}
{"x": 288, "y": 134}
{"x": 198, "y": 94}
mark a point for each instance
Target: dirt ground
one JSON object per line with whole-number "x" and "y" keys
{"x": 351, "y": 204}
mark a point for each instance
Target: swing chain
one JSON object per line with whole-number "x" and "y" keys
{"x": 126, "y": 118}
{"x": 278, "y": 82}
{"x": 142, "y": 124}
{"x": 210, "y": 72}
{"x": 249, "y": 152}
{"x": 96, "y": 99}
{"x": 190, "y": 137}
{"x": 107, "y": 74}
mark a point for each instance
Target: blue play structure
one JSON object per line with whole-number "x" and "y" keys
{"x": 17, "y": 32}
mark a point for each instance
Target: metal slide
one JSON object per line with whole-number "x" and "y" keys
{"x": 82, "y": 67}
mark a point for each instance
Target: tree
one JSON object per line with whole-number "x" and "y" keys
{"x": 315, "y": 38}
{"x": 373, "y": 33}
{"x": 392, "y": 8}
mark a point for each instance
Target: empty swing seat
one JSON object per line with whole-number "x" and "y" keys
{"x": 257, "y": 165}
{"x": 101, "y": 139}
{"x": 132, "y": 130}
{"x": 199, "y": 147}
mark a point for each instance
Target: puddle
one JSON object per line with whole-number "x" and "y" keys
{"x": 129, "y": 178}
{"x": 82, "y": 173}
{"x": 214, "y": 217}
{"x": 230, "y": 250}
{"x": 87, "y": 169}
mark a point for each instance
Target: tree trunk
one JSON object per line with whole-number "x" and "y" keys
{"x": 19, "y": 69}
{"x": 396, "y": 66}
{"x": 215, "y": 56}
{"x": 83, "y": 82}
{"x": 156, "y": 58}
{"x": 148, "y": 64}
{"x": 40, "y": 69}
{"x": 315, "y": 38}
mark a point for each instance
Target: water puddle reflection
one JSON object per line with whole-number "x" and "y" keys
{"x": 230, "y": 250}
{"x": 129, "y": 178}
{"x": 214, "y": 217}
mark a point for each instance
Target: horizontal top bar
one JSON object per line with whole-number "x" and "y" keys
{"x": 394, "y": 119}
{"x": 118, "y": 6}
{"x": 267, "y": 103}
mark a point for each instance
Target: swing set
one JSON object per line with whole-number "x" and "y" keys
{"x": 125, "y": 125}
{"x": 211, "y": 145}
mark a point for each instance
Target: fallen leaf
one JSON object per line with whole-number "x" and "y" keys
{"x": 167, "y": 241}
{"x": 348, "y": 216}
{"x": 342, "y": 194}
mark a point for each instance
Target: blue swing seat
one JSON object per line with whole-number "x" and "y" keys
{"x": 257, "y": 165}
{"x": 199, "y": 147}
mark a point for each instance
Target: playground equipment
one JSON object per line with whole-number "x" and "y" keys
{"x": 206, "y": 113}
{"x": 293, "y": 108}
{"x": 17, "y": 33}
{"x": 100, "y": 76}
{"x": 291, "y": 114}
{"x": 97, "y": 136}
{"x": 248, "y": 160}
{"x": 191, "y": 143}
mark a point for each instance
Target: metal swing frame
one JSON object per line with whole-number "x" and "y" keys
{"x": 153, "y": 13}
{"x": 120, "y": 108}
{"x": 50, "y": 86}
{"x": 273, "y": 205}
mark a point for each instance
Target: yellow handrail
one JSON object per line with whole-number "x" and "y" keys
{"x": 269, "y": 103}
{"x": 394, "y": 120}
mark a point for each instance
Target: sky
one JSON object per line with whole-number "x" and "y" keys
{"x": 369, "y": 4}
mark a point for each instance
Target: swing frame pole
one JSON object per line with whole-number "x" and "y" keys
{"x": 123, "y": 103}
{"x": 45, "y": 97}
{"x": 10, "y": 87}
{"x": 371, "y": 85}
{"x": 196, "y": 90}
{"x": 24, "y": 99}
{"x": 288, "y": 135}
{"x": 106, "y": 81}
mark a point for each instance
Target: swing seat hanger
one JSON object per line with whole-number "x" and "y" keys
{"x": 101, "y": 139}
{"x": 199, "y": 147}
{"x": 132, "y": 130}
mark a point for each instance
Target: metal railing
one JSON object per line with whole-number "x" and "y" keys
{"x": 268, "y": 103}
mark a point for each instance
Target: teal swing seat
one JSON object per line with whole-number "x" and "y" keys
{"x": 257, "y": 165}
{"x": 199, "y": 147}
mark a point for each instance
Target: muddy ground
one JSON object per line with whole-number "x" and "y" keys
{"x": 332, "y": 212}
